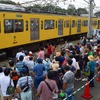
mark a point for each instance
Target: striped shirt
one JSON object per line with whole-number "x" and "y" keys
{"x": 22, "y": 81}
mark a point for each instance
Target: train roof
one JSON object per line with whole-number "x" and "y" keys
{"x": 9, "y": 7}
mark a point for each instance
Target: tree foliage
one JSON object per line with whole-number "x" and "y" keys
{"x": 71, "y": 10}
{"x": 97, "y": 14}
{"x": 7, "y": 2}
{"x": 82, "y": 11}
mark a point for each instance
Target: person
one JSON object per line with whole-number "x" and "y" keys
{"x": 68, "y": 82}
{"x": 26, "y": 58}
{"x": 84, "y": 40}
{"x": 27, "y": 95}
{"x": 20, "y": 53}
{"x": 90, "y": 51}
{"x": 81, "y": 49}
{"x": 81, "y": 40}
{"x": 72, "y": 68}
{"x": 41, "y": 53}
{"x": 20, "y": 64}
{"x": 38, "y": 71}
{"x": 92, "y": 65}
{"x": 1, "y": 72}
{"x": 54, "y": 65}
{"x": 43, "y": 90}
{"x": 98, "y": 39}
{"x": 47, "y": 63}
{"x": 13, "y": 72}
{"x": 49, "y": 50}
{"x": 4, "y": 83}
{"x": 30, "y": 63}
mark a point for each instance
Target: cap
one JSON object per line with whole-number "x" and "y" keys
{"x": 24, "y": 71}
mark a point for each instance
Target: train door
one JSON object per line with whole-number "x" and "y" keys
{"x": 79, "y": 26}
{"x": 34, "y": 29}
{"x": 98, "y": 24}
{"x": 60, "y": 27}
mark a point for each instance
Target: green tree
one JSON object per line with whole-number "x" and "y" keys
{"x": 34, "y": 8}
{"x": 71, "y": 10}
{"x": 82, "y": 11}
{"x": 97, "y": 14}
{"x": 7, "y": 2}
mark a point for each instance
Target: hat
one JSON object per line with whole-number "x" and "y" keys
{"x": 67, "y": 50}
{"x": 24, "y": 71}
{"x": 91, "y": 58}
{"x": 55, "y": 66}
{"x": 30, "y": 53}
{"x": 58, "y": 54}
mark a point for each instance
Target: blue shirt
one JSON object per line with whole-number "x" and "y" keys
{"x": 19, "y": 65}
{"x": 39, "y": 68}
{"x": 92, "y": 65}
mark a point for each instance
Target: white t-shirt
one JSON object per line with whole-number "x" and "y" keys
{"x": 74, "y": 62}
{"x": 4, "y": 83}
{"x": 26, "y": 59}
{"x": 30, "y": 64}
{"x": 1, "y": 74}
{"x": 19, "y": 54}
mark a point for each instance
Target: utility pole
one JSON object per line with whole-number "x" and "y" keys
{"x": 89, "y": 34}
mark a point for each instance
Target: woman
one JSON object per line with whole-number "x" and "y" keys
{"x": 91, "y": 64}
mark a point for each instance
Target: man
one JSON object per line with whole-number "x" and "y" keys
{"x": 38, "y": 70}
{"x": 20, "y": 53}
{"x": 1, "y": 72}
{"x": 68, "y": 82}
{"x": 98, "y": 39}
{"x": 4, "y": 83}
{"x": 25, "y": 95}
{"x": 44, "y": 91}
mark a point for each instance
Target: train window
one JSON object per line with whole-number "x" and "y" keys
{"x": 18, "y": 26}
{"x": 73, "y": 23}
{"x": 41, "y": 25}
{"x": 26, "y": 25}
{"x": 8, "y": 26}
{"x": 85, "y": 23}
{"x": 64, "y": 23}
{"x": 48, "y": 24}
{"x": 95, "y": 23}
{"x": 56, "y": 24}
{"x": 67, "y": 23}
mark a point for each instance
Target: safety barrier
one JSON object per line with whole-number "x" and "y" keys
{"x": 81, "y": 87}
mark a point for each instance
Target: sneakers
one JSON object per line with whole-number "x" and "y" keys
{"x": 84, "y": 79}
{"x": 78, "y": 79}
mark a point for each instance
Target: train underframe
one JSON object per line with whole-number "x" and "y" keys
{"x": 11, "y": 52}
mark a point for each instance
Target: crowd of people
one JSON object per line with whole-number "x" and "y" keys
{"x": 52, "y": 72}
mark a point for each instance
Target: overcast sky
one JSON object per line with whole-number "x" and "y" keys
{"x": 77, "y": 3}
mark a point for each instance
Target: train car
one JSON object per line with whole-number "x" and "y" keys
{"x": 78, "y": 25}
{"x": 98, "y": 23}
{"x": 21, "y": 28}
{"x": 32, "y": 29}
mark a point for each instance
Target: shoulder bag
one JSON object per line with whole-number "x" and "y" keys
{"x": 10, "y": 89}
{"x": 25, "y": 87}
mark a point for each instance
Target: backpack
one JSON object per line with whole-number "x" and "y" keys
{"x": 64, "y": 63}
{"x": 14, "y": 74}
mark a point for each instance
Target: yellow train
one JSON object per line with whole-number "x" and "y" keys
{"x": 20, "y": 29}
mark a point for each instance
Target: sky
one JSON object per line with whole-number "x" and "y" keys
{"x": 77, "y": 3}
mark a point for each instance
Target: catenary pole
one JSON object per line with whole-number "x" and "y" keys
{"x": 89, "y": 34}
